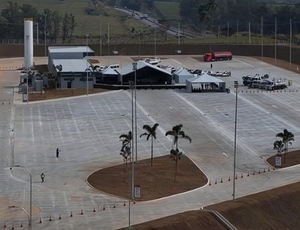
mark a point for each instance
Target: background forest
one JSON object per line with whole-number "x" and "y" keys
{"x": 62, "y": 21}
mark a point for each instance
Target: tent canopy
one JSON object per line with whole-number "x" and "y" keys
{"x": 204, "y": 78}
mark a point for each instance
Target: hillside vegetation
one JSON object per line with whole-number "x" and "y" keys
{"x": 69, "y": 21}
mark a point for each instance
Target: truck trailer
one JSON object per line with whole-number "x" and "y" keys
{"x": 217, "y": 56}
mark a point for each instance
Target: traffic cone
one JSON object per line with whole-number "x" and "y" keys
{"x": 241, "y": 175}
{"x": 221, "y": 180}
{"x": 71, "y": 215}
{"x": 81, "y": 212}
{"x": 229, "y": 179}
{"x": 50, "y": 219}
{"x": 209, "y": 183}
{"x": 94, "y": 209}
{"x": 236, "y": 177}
{"x": 248, "y": 174}
{"x": 41, "y": 220}
{"x": 59, "y": 217}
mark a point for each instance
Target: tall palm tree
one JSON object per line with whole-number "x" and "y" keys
{"x": 287, "y": 138}
{"x": 175, "y": 156}
{"x": 150, "y": 132}
{"x": 177, "y": 133}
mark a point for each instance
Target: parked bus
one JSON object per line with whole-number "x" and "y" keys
{"x": 217, "y": 56}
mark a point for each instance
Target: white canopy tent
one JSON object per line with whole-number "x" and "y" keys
{"x": 205, "y": 82}
{"x": 181, "y": 75}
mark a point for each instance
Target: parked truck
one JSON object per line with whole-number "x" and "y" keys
{"x": 217, "y": 56}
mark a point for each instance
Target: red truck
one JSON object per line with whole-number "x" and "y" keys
{"x": 217, "y": 56}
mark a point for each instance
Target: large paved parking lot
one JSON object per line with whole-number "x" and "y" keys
{"x": 86, "y": 129}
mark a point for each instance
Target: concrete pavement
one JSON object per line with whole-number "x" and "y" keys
{"x": 86, "y": 129}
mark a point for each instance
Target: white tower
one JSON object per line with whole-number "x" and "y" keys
{"x": 28, "y": 43}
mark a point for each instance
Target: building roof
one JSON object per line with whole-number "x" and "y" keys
{"x": 204, "y": 78}
{"x": 72, "y": 65}
{"x": 70, "y": 49}
{"x": 141, "y": 64}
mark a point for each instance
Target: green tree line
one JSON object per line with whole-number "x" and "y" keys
{"x": 210, "y": 14}
{"x": 237, "y": 14}
{"x": 49, "y": 22}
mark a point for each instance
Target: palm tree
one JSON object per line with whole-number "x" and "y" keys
{"x": 175, "y": 156}
{"x": 177, "y": 133}
{"x": 287, "y": 138}
{"x": 126, "y": 138}
{"x": 279, "y": 146}
{"x": 150, "y": 132}
{"x": 125, "y": 152}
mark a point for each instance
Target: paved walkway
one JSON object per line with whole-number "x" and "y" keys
{"x": 86, "y": 129}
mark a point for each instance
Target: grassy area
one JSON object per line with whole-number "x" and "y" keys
{"x": 169, "y": 9}
{"x": 117, "y": 22}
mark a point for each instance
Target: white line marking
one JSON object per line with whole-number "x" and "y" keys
{"x": 274, "y": 106}
{"x": 150, "y": 118}
{"x": 225, "y": 154}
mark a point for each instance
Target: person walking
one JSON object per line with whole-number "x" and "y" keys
{"x": 57, "y": 152}
{"x": 43, "y": 177}
{"x": 211, "y": 65}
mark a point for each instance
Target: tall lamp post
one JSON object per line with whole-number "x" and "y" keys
{"x": 131, "y": 83}
{"x": 134, "y": 65}
{"x": 87, "y": 64}
{"x": 30, "y": 191}
{"x": 45, "y": 34}
{"x": 236, "y": 86}
{"x": 122, "y": 64}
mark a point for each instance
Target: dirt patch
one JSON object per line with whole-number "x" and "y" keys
{"x": 193, "y": 220}
{"x": 287, "y": 160}
{"x": 274, "y": 209}
{"x": 62, "y": 93}
{"x": 155, "y": 181}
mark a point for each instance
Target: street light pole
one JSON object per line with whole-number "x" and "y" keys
{"x": 132, "y": 147}
{"x": 236, "y": 86}
{"x": 30, "y": 192}
{"x": 45, "y": 35}
{"x": 122, "y": 65}
{"x": 135, "y": 117}
{"x": 87, "y": 64}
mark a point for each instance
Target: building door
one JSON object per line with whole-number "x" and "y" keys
{"x": 69, "y": 84}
